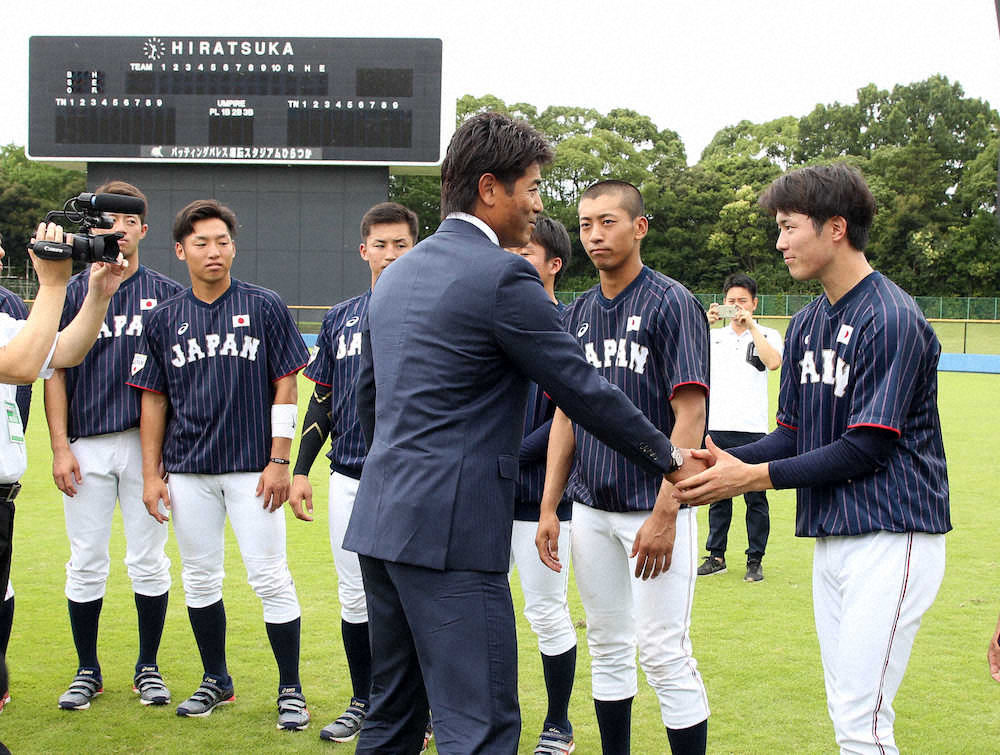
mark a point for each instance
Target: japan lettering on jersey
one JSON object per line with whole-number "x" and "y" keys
{"x": 99, "y": 400}
{"x": 649, "y": 341}
{"x": 217, "y": 364}
{"x": 870, "y": 360}
{"x": 335, "y": 365}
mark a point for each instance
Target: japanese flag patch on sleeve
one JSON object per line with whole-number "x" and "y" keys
{"x": 138, "y": 362}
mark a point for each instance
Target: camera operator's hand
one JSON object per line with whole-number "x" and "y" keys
{"x": 51, "y": 272}
{"x": 106, "y": 277}
{"x": 713, "y": 313}
{"x": 743, "y": 317}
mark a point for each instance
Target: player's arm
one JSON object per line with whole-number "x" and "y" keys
{"x": 273, "y": 484}
{"x": 315, "y": 430}
{"x": 65, "y": 468}
{"x": 152, "y": 428}
{"x": 993, "y": 653}
{"x": 76, "y": 338}
{"x": 654, "y": 542}
{"x": 558, "y": 462}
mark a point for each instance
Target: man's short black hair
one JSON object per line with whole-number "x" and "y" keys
{"x": 552, "y": 236}
{"x": 202, "y": 209}
{"x": 389, "y": 212}
{"x": 823, "y": 192}
{"x": 488, "y": 143}
{"x": 630, "y": 196}
{"x": 124, "y": 187}
{"x": 740, "y": 280}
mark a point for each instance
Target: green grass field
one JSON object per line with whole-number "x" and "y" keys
{"x": 755, "y": 644}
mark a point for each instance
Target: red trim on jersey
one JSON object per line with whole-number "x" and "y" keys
{"x": 547, "y": 395}
{"x": 144, "y": 388}
{"x": 681, "y": 385}
{"x": 291, "y": 373}
{"x": 785, "y": 424}
{"x": 318, "y": 382}
{"x": 879, "y": 427}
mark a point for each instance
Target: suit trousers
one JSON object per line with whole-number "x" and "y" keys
{"x": 720, "y": 513}
{"x": 446, "y": 638}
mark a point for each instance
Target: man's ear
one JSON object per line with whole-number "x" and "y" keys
{"x": 179, "y": 251}
{"x": 488, "y": 187}
{"x": 838, "y": 228}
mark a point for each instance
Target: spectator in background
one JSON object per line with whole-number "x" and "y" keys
{"x": 742, "y": 354}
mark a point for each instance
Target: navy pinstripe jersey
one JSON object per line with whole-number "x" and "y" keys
{"x": 531, "y": 479}
{"x": 335, "y": 365}
{"x": 99, "y": 400}
{"x": 649, "y": 340}
{"x": 216, "y": 363}
{"x": 14, "y": 306}
{"x": 870, "y": 360}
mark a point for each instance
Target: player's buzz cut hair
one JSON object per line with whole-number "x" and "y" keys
{"x": 630, "y": 196}
{"x": 552, "y": 236}
{"x": 740, "y": 280}
{"x": 823, "y": 192}
{"x": 389, "y": 212}
{"x": 202, "y": 209}
{"x": 123, "y": 187}
{"x": 488, "y": 143}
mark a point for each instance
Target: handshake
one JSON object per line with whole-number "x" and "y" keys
{"x": 710, "y": 474}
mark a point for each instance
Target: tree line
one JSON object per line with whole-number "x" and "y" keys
{"x": 929, "y": 153}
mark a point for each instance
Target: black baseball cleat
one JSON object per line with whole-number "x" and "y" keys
{"x": 212, "y": 692}
{"x": 86, "y": 685}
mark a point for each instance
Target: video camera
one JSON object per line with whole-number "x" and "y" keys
{"x": 90, "y": 211}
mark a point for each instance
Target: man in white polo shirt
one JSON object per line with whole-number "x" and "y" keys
{"x": 742, "y": 354}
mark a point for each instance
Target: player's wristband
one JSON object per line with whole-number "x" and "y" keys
{"x": 278, "y": 460}
{"x": 283, "y": 420}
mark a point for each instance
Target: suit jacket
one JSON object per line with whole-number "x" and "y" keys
{"x": 456, "y": 329}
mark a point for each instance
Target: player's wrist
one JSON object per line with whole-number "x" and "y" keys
{"x": 278, "y": 460}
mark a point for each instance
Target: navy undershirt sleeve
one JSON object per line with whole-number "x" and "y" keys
{"x": 779, "y": 444}
{"x": 535, "y": 444}
{"x": 861, "y": 451}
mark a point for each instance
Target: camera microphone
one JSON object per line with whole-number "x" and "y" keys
{"x": 120, "y": 203}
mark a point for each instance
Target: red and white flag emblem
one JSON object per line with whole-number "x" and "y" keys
{"x": 147, "y": 303}
{"x": 241, "y": 321}
{"x": 634, "y": 321}
{"x": 844, "y": 336}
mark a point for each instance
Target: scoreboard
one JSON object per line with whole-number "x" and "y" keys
{"x": 238, "y": 100}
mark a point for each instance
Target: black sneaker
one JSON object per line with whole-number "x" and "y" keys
{"x": 712, "y": 565}
{"x": 212, "y": 693}
{"x": 754, "y": 571}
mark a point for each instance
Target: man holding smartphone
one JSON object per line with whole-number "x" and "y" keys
{"x": 742, "y": 354}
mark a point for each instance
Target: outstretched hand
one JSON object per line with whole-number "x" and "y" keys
{"x": 726, "y": 477}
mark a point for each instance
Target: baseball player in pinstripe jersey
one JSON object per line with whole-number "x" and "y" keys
{"x": 860, "y": 438}
{"x": 648, "y": 335}
{"x": 93, "y": 420}
{"x": 545, "y": 592}
{"x": 217, "y": 367}
{"x": 13, "y": 305}
{"x": 388, "y": 230}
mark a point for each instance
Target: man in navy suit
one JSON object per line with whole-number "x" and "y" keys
{"x": 455, "y": 331}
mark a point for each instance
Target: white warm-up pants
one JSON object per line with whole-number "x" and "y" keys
{"x": 545, "y": 605}
{"x": 869, "y": 594}
{"x": 199, "y": 505}
{"x": 350, "y": 587}
{"x": 624, "y": 612}
{"x": 111, "y": 468}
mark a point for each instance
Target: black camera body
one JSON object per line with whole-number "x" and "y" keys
{"x": 89, "y": 211}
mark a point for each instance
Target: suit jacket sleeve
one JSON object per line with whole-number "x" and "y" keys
{"x": 528, "y": 327}
{"x": 364, "y": 389}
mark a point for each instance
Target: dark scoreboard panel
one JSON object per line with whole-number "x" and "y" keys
{"x": 265, "y": 100}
